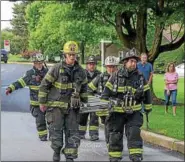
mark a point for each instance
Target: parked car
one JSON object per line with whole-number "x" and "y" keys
{"x": 4, "y": 55}
{"x": 180, "y": 70}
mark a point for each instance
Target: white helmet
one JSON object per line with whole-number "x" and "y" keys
{"x": 111, "y": 60}
{"x": 37, "y": 57}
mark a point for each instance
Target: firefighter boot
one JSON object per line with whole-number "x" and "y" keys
{"x": 94, "y": 138}
{"x": 136, "y": 159}
{"x": 43, "y": 138}
{"x": 56, "y": 156}
{"x": 82, "y": 136}
{"x": 115, "y": 160}
{"x": 69, "y": 160}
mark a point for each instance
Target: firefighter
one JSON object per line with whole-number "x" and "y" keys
{"x": 96, "y": 86}
{"x": 32, "y": 79}
{"x": 126, "y": 90}
{"x": 91, "y": 73}
{"x": 60, "y": 94}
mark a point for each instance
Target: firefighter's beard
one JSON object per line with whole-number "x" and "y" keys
{"x": 131, "y": 69}
{"x": 40, "y": 68}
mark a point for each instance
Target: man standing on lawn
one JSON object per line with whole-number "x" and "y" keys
{"x": 147, "y": 70}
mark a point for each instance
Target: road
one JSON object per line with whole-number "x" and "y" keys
{"x": 19, "y": 141}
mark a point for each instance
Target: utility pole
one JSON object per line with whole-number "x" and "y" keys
{"x": 103, "y": 52}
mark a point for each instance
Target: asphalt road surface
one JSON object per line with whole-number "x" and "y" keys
{"x": 19, "y": 141}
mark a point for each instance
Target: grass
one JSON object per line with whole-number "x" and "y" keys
{"x": 158, "y": 83}
{"x": 176, "y": 56}
{"x": 16, "y": 58}
{"x": 166, "y": 124}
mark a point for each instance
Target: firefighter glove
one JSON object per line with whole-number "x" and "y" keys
{"x": 8, "y": 91}
{"x": 38, "y": 78}
{"x": 139, "y": 93}
{"x": 43, "y": 108}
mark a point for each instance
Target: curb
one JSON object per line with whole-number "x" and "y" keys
{"x": 161, "y": 140}
{"x": 164, "y": 141}
{"x": 28, "y": 63}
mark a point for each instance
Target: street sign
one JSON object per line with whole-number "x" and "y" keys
{"x": 7, "y": 45}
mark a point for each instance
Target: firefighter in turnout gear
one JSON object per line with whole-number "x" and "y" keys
{"x": 126, "y": 90}
{"x": 96, "y": 86}
{"x": 60, "y": 94}
{"x": 94, "y": 122}
{"x": 32, "y": 79}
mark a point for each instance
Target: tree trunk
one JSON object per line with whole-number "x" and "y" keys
{"x": 159, "y": 26}
{"x": 83, "y": 52}
{"x": 127, "y": 40}
{"x": 141, "y": 29}
{"x": 138, "y": 40}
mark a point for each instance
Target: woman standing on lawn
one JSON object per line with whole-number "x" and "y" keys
{"x": 171, "y": 80}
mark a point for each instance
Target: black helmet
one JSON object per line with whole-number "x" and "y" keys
{"x": 129, "y": 54}
{"x": 91, "y": 59}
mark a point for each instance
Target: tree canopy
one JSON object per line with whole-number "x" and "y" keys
{"x": 133, "y": 19}
{"x": 53, "y": 26}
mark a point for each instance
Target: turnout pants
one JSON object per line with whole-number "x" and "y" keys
{"x": 61, "y": 123}
{"x": 115, "y": 126}
{"x": 40, "y": 121}
{"x": 93, "y": 124}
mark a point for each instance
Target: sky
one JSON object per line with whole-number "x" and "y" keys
{"x": 6, "y": 13}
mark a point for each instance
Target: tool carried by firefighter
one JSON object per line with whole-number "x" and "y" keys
{"x": 75, "y": 100}
{"x": 75, "y": 97}
{"x": 94, "y": 104}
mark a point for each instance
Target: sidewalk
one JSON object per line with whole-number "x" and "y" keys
{"x": 150, "y": 137}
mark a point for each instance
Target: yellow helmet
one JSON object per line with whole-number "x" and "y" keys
{"x": 70, "y": 47}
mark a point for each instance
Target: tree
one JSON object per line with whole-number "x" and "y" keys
{"x": 133, "y": 19}
{"x": 19, "y": 24}
{"x": 54, "y": 25}
{"x": 15, "y": 46}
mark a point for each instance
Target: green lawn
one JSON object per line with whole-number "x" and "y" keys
{"x": 16, "y": 58}
{"x": 166, "y": 124}
{"x": 158, "y": 81}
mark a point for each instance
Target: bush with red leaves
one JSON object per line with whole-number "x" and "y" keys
{"x": 28, "y": 54}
